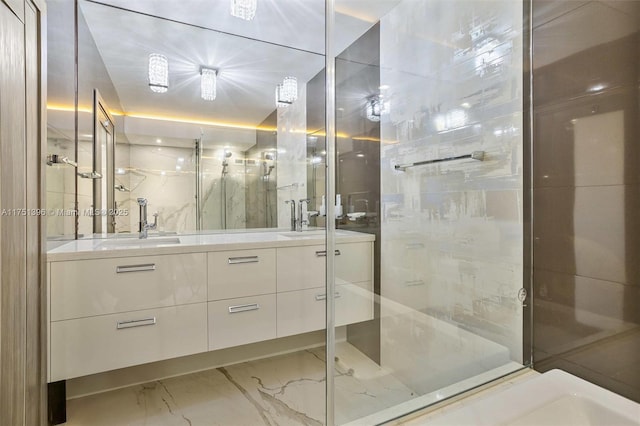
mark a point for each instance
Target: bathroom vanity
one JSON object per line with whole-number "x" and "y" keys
{"x": 121, "y": 302}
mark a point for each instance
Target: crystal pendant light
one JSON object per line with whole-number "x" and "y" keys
{"x": 158, "y": 73}
{"x": 244, "y": 9}
{"x": 208, "y": 82}
{"x": 287, "y": 92}
{"x": 280, "y": 102}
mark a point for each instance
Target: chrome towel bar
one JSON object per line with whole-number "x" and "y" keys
{"x": 475, "y": 155}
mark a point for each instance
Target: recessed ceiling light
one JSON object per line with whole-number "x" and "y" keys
{"x": 158, "y": 140}
{"x": 360, "y": 155}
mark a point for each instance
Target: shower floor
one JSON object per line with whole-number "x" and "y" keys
{"x": 282, "y": 390}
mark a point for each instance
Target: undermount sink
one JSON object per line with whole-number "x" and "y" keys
{"x": 137, "y": 242}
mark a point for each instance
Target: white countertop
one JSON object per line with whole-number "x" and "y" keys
{"x": 126, "y": 245}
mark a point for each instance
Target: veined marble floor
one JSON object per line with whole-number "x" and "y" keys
{"x": 282, "y": 390}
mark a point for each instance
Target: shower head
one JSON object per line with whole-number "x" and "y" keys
{"x": 268, "y": 156}
{"x": 227, "y": 154}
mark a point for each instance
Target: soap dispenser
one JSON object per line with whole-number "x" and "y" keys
{"x": 323, "y": 208}
{"x": 338, "y": 207}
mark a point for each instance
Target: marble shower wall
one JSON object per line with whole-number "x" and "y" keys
{"x": 452, "y": 234}
{"x": 166, "y": 177}
{"x": 292, "y": 153}
{"x": 260, "y": 195}
{"x": 223, "y": 200}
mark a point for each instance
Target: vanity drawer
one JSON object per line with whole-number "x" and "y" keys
{"x": 92, "y": 345}
{"x": 301, "y": 311}
{"x": 354, "y": 303}
{"x": 355, "y": 263}
{"x": 234, "y": 322}
{"x": 241, "y": 273}
{"x": 305, "y": 267}
{"x": 83, "y": 288}
{"x": 301, "y": 267}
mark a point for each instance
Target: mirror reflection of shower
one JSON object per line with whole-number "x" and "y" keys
{"x": 268, "y": 164}
{"x": 223, "y": 188}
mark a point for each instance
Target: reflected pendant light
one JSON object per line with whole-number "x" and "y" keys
{"x": 208, "y": 82}
{"x": 287, "y": 92}
{"x": 280, "y": 102}
{"x": 244, "y": 9}
{"x": 373, "y": 109}
{"x": 158, "y": 73}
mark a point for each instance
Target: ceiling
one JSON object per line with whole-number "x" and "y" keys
{"x": 248, "y": 70}
{"x": 286, "y": 37}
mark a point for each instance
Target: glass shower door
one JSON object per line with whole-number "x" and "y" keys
{"x": 429, "y": 139}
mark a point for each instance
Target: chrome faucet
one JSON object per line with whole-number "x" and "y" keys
{"x": 143, "y": 224}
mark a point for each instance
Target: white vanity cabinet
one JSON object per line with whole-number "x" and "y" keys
{"x": 119, "y": 312}
{"x": 114, "y": 311}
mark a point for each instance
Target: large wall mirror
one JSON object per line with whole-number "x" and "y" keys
{"x": 210, "y": 127}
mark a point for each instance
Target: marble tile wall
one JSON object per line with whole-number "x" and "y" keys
{"x": 452, "y": 233}
{"x": 166, "y": 177}
{"x": 261, "y": 177}
{"x": 60, "y": 197}
{"x": 292, "y": 155}
{"x": 223, "y": 199}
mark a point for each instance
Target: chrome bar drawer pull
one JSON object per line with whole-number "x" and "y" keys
{"x": 243, "y": 308}
{"x": 323, "y": 296}
{"x": 135, "y": 323}
{"x": 413, "y": 283}
{"x": 323, "y": 253}
{"x": 135, "y": 268}
{"x": 243, "y": 259}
